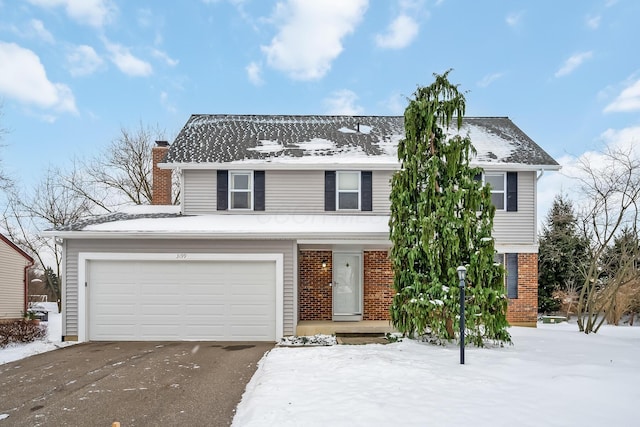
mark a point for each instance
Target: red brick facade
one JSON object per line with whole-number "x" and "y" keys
{"x": 524, "y": 309}
{"x": 161, "y": 190}
{"x": 378, "y": 285}
{"x": 315, "y": 294}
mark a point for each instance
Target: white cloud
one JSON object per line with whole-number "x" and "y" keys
{"x": 83, "y": 60}
{"x": 145, "y": 18}
{"x": 514, "y": 18}
{"x": 400, "y": 33}
{"x": 396, "y": 103}
{"x": 310, "y": 35}
{"x": 126, "y": 61}
{"x": 164, "y": 100}
{"x": 23, "y": 77}
{"x": 254, "y": 73}
{"x": 490, "y": 78}
{"x": 627, "y": 101}
{"x": 593, "y": 22}
{"x": 95, "y": 13}
{"x": 37, "y": 28}
{"x": 573, "y": 62}
{"x": 164, "y": 57}
{"x": 343, "y": 102}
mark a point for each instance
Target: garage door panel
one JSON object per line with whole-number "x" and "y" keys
{"x": 181, "y": 300}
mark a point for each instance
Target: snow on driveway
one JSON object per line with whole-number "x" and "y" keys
{"x": 551, "y": 376}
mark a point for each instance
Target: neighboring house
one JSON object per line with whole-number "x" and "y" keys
{"x": 14, "y": 263}
{"x": 282, "y": 229}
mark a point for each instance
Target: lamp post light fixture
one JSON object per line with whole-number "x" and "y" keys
{"x": 462, "y": 273}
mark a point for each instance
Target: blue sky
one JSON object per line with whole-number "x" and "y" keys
{"x": 73, "y": 72}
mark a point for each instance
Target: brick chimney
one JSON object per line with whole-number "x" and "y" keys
{"x": 161, "y": 192}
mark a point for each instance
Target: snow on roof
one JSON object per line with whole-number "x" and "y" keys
{"x": 274, "y": 226}
{"x": 231, "y": 139}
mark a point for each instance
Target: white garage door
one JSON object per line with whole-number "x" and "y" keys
{"x": 181, "y": 300}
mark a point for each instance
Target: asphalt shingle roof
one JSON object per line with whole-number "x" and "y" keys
{"x": 225, "y": 138}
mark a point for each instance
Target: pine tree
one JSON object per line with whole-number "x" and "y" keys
{"x": 442, "y": 217}
{"x": 562, "y": 254}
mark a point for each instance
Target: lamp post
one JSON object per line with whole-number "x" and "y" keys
{"x": 462, "y": 273}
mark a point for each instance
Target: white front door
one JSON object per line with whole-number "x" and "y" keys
{"x": 347, "y": 286}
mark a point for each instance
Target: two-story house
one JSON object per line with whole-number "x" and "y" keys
{"x": 282, "y": 229}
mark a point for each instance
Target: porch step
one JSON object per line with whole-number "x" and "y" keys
{"x": 313, "y": 327}
{"x": 361, "y": 338}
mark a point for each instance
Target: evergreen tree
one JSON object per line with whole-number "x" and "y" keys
{"x": 442, "y": 217}
{"x": 562, "y": 254}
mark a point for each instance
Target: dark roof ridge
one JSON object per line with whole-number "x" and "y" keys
{"x": 325, "y": 115}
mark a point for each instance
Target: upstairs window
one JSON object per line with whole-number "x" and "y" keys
{"x": 497, "y": 181}
{"x": 348, "y": 190}
{"x": 240, "y": 190}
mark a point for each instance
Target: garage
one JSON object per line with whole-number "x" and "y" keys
{"x": 179, "y": 298}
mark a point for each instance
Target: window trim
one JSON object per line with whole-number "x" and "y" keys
{"x": 358, "y": 191}
{"x": 250, "y": 190}
{"x": 505, "y": 264}
{"x": 503, "y": 191}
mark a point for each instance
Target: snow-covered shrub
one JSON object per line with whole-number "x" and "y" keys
{"x": 20, "y": 331}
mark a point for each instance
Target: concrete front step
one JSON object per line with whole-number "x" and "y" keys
{"x": 313, "y": 327}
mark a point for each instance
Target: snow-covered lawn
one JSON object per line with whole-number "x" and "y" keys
{"x": 51, "y": 342}
{"x": 551, "y": 376}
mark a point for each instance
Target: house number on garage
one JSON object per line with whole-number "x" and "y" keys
{"x": 181, "y": 256}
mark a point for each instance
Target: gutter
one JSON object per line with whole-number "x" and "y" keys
{"x": 26, "y": 284}
{"x": 382, "y": 235}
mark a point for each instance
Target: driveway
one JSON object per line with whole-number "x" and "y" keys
{"x": 135, "y": 383}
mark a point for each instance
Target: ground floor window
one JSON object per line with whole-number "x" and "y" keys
{"x": 510, "y": 261}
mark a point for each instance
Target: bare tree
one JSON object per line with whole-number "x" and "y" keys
{"x": 51, "y": 204}
{"x": 125, "y": 166}
{"x": 612, "y": 190}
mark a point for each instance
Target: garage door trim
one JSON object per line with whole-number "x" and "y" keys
{"x": 84, "y": 257}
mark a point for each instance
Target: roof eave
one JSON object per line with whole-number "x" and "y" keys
{"x": 262, "y": 165}
{"x": 80, "y": 234}
{"x": 346, "y": 166}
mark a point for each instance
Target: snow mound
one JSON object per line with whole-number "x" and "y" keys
{"x": 315, "y": 340}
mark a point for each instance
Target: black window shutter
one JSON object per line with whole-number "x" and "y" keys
{"x": 258, "y": 190}
{"x": 512, "y": 191}
{"x": 512, "y": 275}
{"x": 223, "y": 188}
{"x": 477, "y": 177}
{"x": 366, "y": 191}
{"x": 329, "y": 190}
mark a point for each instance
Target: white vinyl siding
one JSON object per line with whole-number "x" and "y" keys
{"x": 381, "y": 191}
{"x": 199, "y": 192}
{"x": 12, "y": 266}
{"x": 293, "y": 192}
{"x": 519, "y": 227}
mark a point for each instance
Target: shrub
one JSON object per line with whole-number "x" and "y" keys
{"x": 20, "y": 331}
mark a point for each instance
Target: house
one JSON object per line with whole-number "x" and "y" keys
{"x": 14, "y": 263}
{"x": 282, "y": 229}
